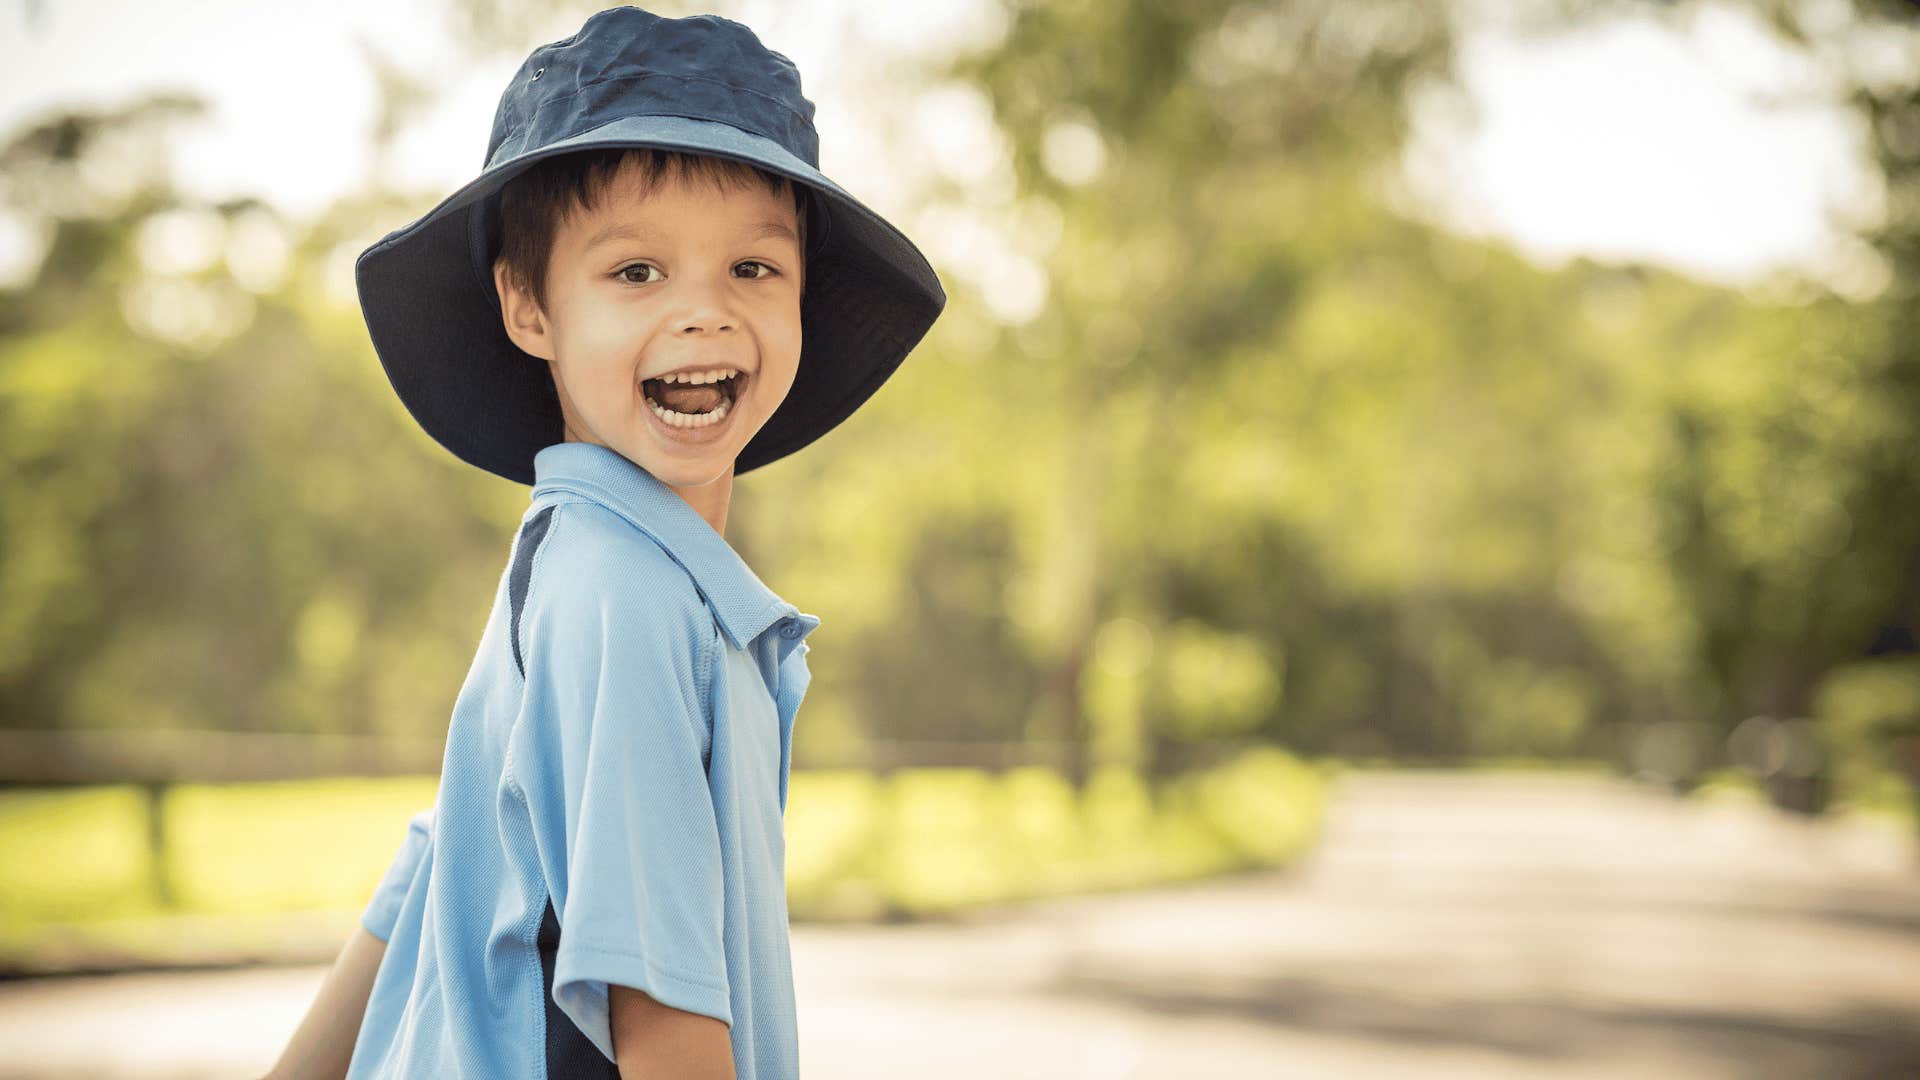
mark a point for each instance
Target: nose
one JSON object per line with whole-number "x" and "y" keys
{"x": 706, "y": 312}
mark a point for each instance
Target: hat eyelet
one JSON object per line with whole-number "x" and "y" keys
{"x": 537, "y": 72}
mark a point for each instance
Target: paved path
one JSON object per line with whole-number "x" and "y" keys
{"x": 1451, "y": 925}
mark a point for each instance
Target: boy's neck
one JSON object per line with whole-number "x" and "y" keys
{"x": 710, "y": 500}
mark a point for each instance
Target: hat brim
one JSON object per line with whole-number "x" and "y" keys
{"x": 432, "y": 311}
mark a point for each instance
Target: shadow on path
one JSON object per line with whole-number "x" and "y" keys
{"x": 1864, "y": 1041}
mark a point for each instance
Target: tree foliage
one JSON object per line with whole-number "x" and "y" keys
{"x": 1273, "y": 461}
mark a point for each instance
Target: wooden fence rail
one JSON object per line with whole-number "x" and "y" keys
{"x": 50, "y": 758}
{"x": 157, "y": 760}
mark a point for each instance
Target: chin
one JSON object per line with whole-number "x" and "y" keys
{"x": 687, "y": 470}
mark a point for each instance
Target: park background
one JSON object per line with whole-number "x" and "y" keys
{"x": 1317, "y": 390}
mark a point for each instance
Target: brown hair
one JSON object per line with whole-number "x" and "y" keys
{"x": 534, "y": 204}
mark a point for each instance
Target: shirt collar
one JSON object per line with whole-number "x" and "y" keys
{"x": 741, "y": 602}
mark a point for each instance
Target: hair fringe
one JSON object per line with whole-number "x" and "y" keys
{"x": 536, "y": 203}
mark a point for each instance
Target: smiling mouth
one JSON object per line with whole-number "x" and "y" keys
{"x": 689, "y": 404}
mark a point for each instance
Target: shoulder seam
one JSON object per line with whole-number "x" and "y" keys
{"x": 709, "y": 661}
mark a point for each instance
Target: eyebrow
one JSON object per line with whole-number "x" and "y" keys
{"x": 762, "y": 230}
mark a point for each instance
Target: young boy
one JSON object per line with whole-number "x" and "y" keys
{"x": 650, "y": 289}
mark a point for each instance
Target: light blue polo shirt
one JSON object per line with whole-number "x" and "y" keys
{"x": 611, "y": 800}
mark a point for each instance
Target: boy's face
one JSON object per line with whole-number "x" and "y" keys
{"x": 685, "y": 280}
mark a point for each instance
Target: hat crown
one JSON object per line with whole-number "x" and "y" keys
{"x": 625, "y": 61}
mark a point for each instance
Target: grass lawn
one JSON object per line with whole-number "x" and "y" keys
{"x": 281, "y": 870}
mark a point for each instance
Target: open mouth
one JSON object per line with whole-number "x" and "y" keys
{"x": 693, "y": 405}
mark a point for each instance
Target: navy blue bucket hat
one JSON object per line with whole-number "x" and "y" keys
{"x": 629, "y": 78}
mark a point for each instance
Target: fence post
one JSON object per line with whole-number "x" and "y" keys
{"x": 156, "y": 792}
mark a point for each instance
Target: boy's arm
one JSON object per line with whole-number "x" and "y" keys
{"x": 323, "y": 1044}
{"x": 651, "y": 1039}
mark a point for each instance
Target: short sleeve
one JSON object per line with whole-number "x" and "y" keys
{"x": 618, "y": 667}
{"x": 384, "y": 908}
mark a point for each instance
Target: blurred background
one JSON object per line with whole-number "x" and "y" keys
{"x": 1401, "y": 556}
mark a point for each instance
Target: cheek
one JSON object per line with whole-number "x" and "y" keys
{"x": 601, "y": 374}
{"x": 783, "y": 362}
{"x": 783, "y": 336}
{"x": 602, "y": 348}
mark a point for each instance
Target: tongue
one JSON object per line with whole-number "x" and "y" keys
{"x": 682, "y": 397}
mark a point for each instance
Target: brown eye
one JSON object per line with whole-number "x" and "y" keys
{"x": 769, "y": 271}
{"x": 623, "y": 271}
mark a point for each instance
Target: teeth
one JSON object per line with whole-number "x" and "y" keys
{"x": 699, "y": 377}
{"x": 691, "y": 420}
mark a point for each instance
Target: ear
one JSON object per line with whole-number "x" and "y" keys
{"x": 526, "y": 324}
